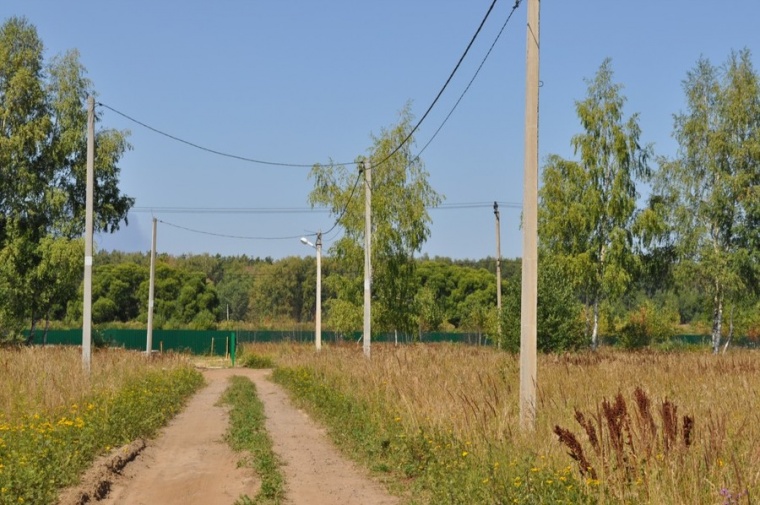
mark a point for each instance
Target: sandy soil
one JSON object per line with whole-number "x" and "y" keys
{"x": 189, "y": 463}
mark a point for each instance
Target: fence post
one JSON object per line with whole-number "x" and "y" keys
{"x": 232, "y": 348}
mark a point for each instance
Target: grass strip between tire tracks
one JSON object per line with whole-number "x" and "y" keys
{"x": 247, "y": 432}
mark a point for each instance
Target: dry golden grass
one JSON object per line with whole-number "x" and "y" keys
{"x": 43, "y": 379}
{"x": 472, "y": 393}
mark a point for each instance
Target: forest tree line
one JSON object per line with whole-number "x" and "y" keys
{"x": 212, "y": 291}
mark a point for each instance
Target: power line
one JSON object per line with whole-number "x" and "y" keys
{"x": 466, "y": 89}
{"x": 303, "y": 165}
{"x": 229, "y": 210}
{"x": 300, "y": 165}
{"x": 202, "y": 148}
{"x": 435, "y": 100}
{"x": 345, "y": 207}
{"x": 193, "y": 230}
{"x": 301, "y": 210}
{"x": 477, "y": 205}
{"x": 451, "y": 206}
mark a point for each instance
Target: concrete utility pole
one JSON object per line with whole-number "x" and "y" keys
{"x": 367, "y": 254}
{"x": 529, "y": 295}
{"x": 498, "y": 269}
{"x": 87, "y": 302}
{"x": 318, "y": 318}
{"x": 151, "y": 291}
{"x": 318, "y": 315}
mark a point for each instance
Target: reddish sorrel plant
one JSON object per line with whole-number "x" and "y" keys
{"x": 624, "y": 443}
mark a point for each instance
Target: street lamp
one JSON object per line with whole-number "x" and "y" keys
{"x": 318, "y": 317}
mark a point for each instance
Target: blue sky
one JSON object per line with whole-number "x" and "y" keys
{"x": 304, "y": 82}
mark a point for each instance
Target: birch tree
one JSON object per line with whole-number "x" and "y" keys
{"x": 43, "y": 163}
{"x": 401, "y": 196}
{"x": 588, "y": 206}
{"x": 713, "y": 183}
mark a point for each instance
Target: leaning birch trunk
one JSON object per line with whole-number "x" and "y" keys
{"x": 717, "y": 320}
{"x": 30, "y": 338}
{"x": 730, "y": 330}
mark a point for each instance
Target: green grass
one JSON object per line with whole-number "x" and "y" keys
{"x": 247, "y": 432}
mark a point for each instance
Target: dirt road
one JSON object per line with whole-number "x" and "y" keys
{"x": 189, "y": 463}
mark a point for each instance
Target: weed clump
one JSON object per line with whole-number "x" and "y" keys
{"x": 254, "y": 360}
{"x": 626, "y": 446}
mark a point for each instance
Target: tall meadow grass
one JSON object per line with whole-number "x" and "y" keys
{"x": 653, "y": 427}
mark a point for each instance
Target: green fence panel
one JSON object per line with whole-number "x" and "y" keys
{"x": 305, "y": 336}
{"x": 694, "y": 339}
{"x": 128, "y": 339}
{"x": 209, "y": 343}
{"x": 224, "y": 343}
{"x": 233, "y": 347}
{"x": 264, "y": 336}
{"x": 56, "y": 337}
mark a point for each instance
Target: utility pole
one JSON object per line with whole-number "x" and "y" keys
{"x": 318, "y": 318}
{"x": 529, "y": 295}
{"x": 87, "y": 302}
{"x": 498, "y": 271}
{"x": 367, "y": 254}
{"x": 318, "y": 315}
{"x": 151, "y": 291}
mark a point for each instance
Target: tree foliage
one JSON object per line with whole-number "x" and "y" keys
{"x": 588, "y": 206}
{"x": 559, "y": 324}
{"x": 37, "y": 280}
{"x": 712, "y": 186}
{"x": 43, "y": 164}
{"x": 280, "y": 290}
{"x": 401, "y": 196}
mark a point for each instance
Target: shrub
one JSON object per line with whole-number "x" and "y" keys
{"x": 646, "y": 325}
{"x": 559, "y": 325}
{"x": 254, "y": 360}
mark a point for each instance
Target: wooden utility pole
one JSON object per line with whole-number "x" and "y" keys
{"x": 367, "y": 254}
{"x": 87, "y": 302}
{"x": 151, "y": 291}
{"x": 529, "y": 295}
{"x": 498, "y": 270}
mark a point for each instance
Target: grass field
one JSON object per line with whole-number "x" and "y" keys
{"x": 55, "y": 418}
{"x": 441, "y": 422}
